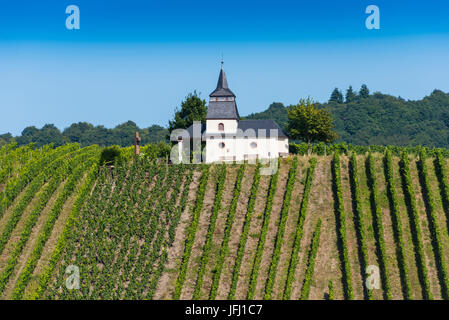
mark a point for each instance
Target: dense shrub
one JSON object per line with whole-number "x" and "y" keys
{"x": 156, "y": 151}
{"x": 110, "y": 155}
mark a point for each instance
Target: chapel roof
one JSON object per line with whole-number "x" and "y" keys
{"x": 222, "y": 89}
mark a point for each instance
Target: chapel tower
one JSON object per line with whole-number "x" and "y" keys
{"x": 222, "y": 114}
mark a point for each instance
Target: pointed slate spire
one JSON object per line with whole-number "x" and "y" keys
{"x": 222, "y": 89}
{"x": 222, "y": 81}
{"x": 222, "y": 102}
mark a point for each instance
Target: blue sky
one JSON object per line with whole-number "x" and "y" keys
{"x": 137, "y": 60}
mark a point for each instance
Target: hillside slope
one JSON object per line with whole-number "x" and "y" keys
{"x": 148, "y": 230}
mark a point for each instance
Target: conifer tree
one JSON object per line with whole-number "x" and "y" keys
{"x": 336, "y": 96}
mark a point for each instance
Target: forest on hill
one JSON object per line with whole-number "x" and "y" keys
{"x": 380, "y": 119}
{"x": 360, "y": 118}
{"x": 87, "y": 134}
{"x": 149, "y": 230}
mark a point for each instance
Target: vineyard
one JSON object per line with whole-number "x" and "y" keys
{"x": 145, "y": 229}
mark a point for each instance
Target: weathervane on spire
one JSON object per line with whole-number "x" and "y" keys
{"x": 222, "y": 60}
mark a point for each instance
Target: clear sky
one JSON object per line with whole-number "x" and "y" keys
{"x": 137, "y": 60}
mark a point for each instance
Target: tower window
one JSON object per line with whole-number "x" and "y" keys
{"x": 220, "y": 127}
{"x": 221, "y": 145}
{"x": 253, "y": 145}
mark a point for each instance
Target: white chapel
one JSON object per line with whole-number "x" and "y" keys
{"x": 230, "y": 139}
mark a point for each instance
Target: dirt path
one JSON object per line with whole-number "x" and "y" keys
{"x": 272, "y": 230}
{"x": 356, "y": 271}
{"x": 167, "y": 283}
{"x": 236, "y": 231}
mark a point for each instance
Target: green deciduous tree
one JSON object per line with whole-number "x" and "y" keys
{"x": 48, "y": 133}
{"x": 193, "y": 108}
{"x": 310, "y": 124}
{"x": 5, "y": 138}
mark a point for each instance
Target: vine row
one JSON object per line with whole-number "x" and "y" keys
{"x": 410, "y": 199}
{"x": 281, "y": 230}
{"x": 397, "y": 225}
{"x": 245, "y": 232}
{"x": 378, "y": 226}
{"x": 191, "y": 232}
{"x": 263, "y": 235}
{"x": 227, "y": 233}
{"x": 299, "y": 231}
{"x": 219, "y": 185}
{"x": 341, "y": 227}
{"x": 359, "y": 221}
{"x": 433, "y": 225}
{"x": 311, "y": 264}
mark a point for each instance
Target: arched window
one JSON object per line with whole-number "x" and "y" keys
{"x": 220, "y": 127}
{"x": 253, "y": 145}
{"x": 221, "y": 145}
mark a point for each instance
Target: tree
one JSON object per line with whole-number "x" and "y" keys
{"x": 364, "y": 92}
{"x": 77, "y": 132}
{"x": 5, "y": 138}
{"x": 193, "y": 108}
{"x": 350, "y": 95}
{"x": 336, "y": 96}
{"x": 124, "y": 133}
{"x": 48, "y": 133}
{"x": 276, "y": 111}
{"x": 154, "y": 134}
{"x": 308, "y": 123}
